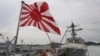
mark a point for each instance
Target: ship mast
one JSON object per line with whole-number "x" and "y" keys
{"x": 73, "y": 31}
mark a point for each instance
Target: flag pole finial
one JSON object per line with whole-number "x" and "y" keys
{"x": 22, "y": 1}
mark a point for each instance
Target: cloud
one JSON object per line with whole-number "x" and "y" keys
{"x": 82, "y": 12}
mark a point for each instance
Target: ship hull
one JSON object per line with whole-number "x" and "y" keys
{"x": 72, "y": 52}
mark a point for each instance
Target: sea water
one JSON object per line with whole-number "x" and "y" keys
{"x": 94, "y": 50}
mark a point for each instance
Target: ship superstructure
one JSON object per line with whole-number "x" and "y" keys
{"x": 74, "y": 46}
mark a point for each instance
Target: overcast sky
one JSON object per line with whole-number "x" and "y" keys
{"x": 85, "y": 13}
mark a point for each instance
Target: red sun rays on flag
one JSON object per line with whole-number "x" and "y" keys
{"x": 38, "y": 15}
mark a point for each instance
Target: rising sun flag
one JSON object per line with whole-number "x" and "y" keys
{"x": 38, "y": 15}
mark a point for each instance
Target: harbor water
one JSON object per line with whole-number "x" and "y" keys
{"x": 94, "y": 50}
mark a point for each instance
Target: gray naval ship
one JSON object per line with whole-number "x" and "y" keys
{"x": 74, "y": 46}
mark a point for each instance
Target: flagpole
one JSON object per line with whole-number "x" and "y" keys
{"x": 17, "y": 29}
